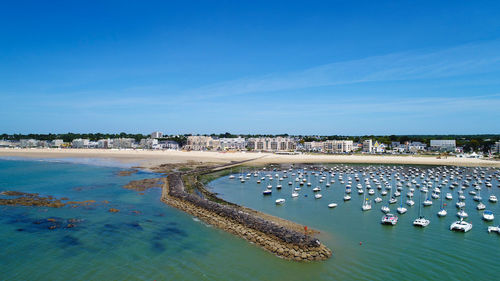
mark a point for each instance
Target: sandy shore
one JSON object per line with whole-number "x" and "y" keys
{"x": 148, "y": 158}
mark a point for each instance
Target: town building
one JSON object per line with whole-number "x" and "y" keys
{"x": 313, "y": 146}
{"x": 123, "y": 143}
{"x": 496, "y": 147}
{"x": 338, "y": 146}
{"x": 368, "y": 146}
{"x": 199, "y": 143}
{"x": 231, "y": 143}
{"x": 149, "y": 143}
{"x": 378, "y": 147}
{"x": 80, "y": 143}
{"x": 443, "y": 145}
{"x": 272, "y": 144}
{"x": 169, "y": 145}
{"x": 104, "y": 143}
{"x": 156, "y": 135}
{"x": 57, "y": 143}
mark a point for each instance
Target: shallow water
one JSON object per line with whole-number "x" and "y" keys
{"x": 162, "y": 243}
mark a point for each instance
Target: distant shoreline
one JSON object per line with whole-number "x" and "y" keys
{"x": 149, "y": 158}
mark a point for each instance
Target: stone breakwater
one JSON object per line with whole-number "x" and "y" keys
{"x": 283, "y": 242}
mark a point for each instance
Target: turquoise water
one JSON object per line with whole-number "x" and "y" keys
{"x": 401, "y": 252}
{"x": 162, "y": 243}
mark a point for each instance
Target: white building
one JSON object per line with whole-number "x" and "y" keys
{"x": 272, "y": 144}
{"x": 496, "y": 147}
{"x": 368, "y": 146}
{"x": 80, "y": 143}
{"x": 443, "y": 145}
{"x": 199, "y": 143}
{"x": 123, "y": 143}
{"x": 315, "y": 146}
{"x": 28, "y": 143}
{"x": 156, "y": 135}
{"x": 104, "y": 143}
{"x": 149, "y": 143}
{"x": 338, "y": 146}
{"x": 57, "y": 143}
{"x": 232, "y": 143}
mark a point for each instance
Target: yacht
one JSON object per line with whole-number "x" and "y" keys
{"x": 480, "y": 206}
{"x": 347, "y": 197}
{"x": 280, "y": 201}
{"x": 367, "y": 205}
{"x": 378, "y": 200}
{"x": 493, "y": 199}
{"x": 460, "y": 204}
{"x": 316, "y": 189}
{"x": 295, "y": 194}
{"x": 267, "y": 192}
{"x": 462, "y": 214}
{"x": 231, "y": 177}
{"x": 421, "y": 221}
{"x": 461, "y": 225}
{"x": 318, "y": 196}
{"x": 389, "y": 219}
{"x": 488, "y": 215}
{"x": 332, "y": 205}
{"x": 494, "y": 229}
{"x": 449, "y": 196}
{"x": 385, "y": 209}
{"x": 442, "y": 213}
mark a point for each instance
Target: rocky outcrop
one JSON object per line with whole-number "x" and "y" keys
{"x": 281, "y": 241}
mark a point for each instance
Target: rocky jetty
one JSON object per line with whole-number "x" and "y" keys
{"x": 275, "y": 238}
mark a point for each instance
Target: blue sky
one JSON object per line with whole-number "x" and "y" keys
{"x": 297, "y": 67}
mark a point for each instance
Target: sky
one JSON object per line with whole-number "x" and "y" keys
{"x": 256, "y": 67}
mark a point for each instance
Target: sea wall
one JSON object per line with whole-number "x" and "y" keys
{"x": 281, "y": 241}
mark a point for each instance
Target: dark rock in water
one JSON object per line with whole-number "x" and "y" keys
{"x": 68, "y": 241}
{"x": 33, "y": 199}
{"x": 134, "y": 225}
{"x": 142, "y": 185}
{"x": 70, "y": 225}
{"x": 113, "y": 210}
{"x": 20, "y": 229}
{"x": 173, "y": 232}
{"x": 51, "y": 227}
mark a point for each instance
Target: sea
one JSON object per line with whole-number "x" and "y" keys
{"x": 148, "y": 240}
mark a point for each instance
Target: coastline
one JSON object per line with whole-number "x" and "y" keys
{"x": 149, "y": 159}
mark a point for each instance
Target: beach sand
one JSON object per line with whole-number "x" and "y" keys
{"x": 148, "y": 158}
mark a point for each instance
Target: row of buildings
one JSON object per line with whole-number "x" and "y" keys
{"x": 272, "y": 144}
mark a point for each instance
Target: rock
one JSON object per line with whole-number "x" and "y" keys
{"x": 113, "y": 210}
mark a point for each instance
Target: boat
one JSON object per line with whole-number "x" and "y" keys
{"x": 401, "y": 210}
{"x": 480, "y": 206}
{"x": 332, "y": 205}
{"x": 389, "y": 219}
{"x": 462, "y": 214}
{"x": 494, "y": 229}
{"x": 378, "y": 200}
{"x": 318, "y": 196}
{"x": 449, "y": 196}
{"x": 385, "y": 209}
{"x": 295, "y": 194}
{"x": 267, "y": 192}
{"x": 461, "y": 225}
{"x": 460, "y": 204}
{"x": 280, "y": 201}
{"x": 316, "y": 189}
{"x": 427, "y": 201}
{"x": 367, "y": 204}
{"x": 421, "y": 220}
{"x": 493, "y": 199}
{"x": 347, "y": 197}
{"x": 231, "y": 177}
{"x": 488, "y": 216}
{"x": 442, "y": 212}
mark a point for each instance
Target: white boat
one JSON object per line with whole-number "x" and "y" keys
{"x": 280, "y": 201}
{"x": 488, "y": 216}
{"x": 231, "y": 177}
{"x": 401, "y": 209}
{"x": 267, "y": 192}
{"x": 295, "y": 194}
{"x": 494, "y": 229}
{"x": 332, "y": 205}
{"x": 316, "y": 189}
{"x": 462, "y": 214}
{"x": 421, "y": 221}
{"x": 385, "y": 209}
{"x": 493, "y": 199}
{"x": 410, "y": 202}
{"x": 461, "y": 225}
{"x": 480, "y": 206}
{"x": 389, "y": 219}
{"x": 378, "y": 200}
{"x": 442, "y": 213}
{"x": 427, "y": 202}
{"x": 318, "y": 196}
{"x": 347, "y": 197}
{"x": 269, "y": 187}
{"x": 449, "y": 196}
{"x": 393, "y": 201}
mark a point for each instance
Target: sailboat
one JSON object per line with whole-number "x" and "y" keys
{"x": 401, "y": 209}
{"x": 427, "y": 201}
{"x": 367, "y": 205}
{"x": 392, "y": 200}
{"x": 421, "y": 220}
{"x": 442, "y": 212}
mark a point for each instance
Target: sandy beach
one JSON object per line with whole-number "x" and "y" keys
{"x": 147, "y": 158}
